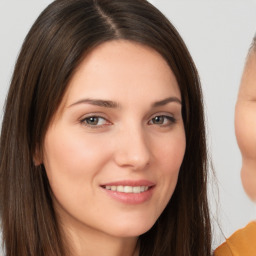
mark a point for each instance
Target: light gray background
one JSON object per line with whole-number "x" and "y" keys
{"x": 218, "y": 34}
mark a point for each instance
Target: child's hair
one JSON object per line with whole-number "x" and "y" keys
{"x": 253, "y": 45}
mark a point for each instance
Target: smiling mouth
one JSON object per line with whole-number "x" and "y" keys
{"x": 130, "y": 192}
{"x": 128, "y": 189}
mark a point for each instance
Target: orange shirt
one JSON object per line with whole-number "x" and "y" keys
{"x": 241, "y": 243}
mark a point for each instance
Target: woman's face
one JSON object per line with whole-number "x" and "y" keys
{"x": 113, "y": 150}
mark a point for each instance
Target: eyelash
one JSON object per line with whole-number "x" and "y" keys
{"x": 166, "y": 121}
{"x": 85, "y": 121}
{"x": 170, "y": 120}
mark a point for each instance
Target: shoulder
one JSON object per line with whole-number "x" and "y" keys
{"x": 242, "y": 242}
{"x": 223, "y": 250}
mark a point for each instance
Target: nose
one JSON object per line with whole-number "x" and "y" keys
{"x": 132, "y": 149}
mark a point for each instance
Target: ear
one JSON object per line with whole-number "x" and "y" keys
{"x": 37, "y": 158}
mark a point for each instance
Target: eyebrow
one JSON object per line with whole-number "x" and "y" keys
{"x": 97, "y": 102}
{"x": 166, "y": 101}
{"x": 113, "y": 104}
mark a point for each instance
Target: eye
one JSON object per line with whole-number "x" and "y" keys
{"x": 162, "y": 120}
{"x": 94, "y": 121}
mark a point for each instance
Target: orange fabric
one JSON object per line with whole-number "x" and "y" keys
{"x": 241, "y": 243}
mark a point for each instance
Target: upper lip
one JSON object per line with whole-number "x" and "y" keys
{"x": 132, "y": 183}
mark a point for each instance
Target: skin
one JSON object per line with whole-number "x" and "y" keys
{"x": 124, "y": 141}
{"x": 245, "y": 125}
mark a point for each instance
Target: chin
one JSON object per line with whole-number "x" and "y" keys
{"x": 132, "y": 229}
{"x": 248, "y": 176}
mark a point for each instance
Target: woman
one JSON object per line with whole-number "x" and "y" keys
{"x": 103, "y": 146}
{"x": 243, "y": 241}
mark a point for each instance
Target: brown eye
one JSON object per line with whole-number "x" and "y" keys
{"x": 158, "y": 120}
{"x": 162, "y": 120}
{"x": 94, "y": 121}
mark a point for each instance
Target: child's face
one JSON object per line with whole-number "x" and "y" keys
{"x": 119, "y": 127}
{"x": 245, "y": 124}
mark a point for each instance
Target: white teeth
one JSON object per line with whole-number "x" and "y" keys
{"x": 120, "y": 188}
{"x": 136, "y": 189}
{"x": 127, "y": 189}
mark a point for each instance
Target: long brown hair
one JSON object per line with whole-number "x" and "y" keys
{"x": 57, "y": 42}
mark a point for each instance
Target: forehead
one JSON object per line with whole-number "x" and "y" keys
{"x": 121, "y": 68}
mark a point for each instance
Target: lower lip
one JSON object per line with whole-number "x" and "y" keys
{"x": 130, "y": 198}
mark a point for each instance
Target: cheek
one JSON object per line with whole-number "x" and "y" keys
{"x": 171, "y": 154}
{"x": 72, "y": 166}
{"x": 170, "y": 157}
{"x": 71, "y": 160}
{"x": 245, "y": 124}
{"x": 70, "y": 150}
